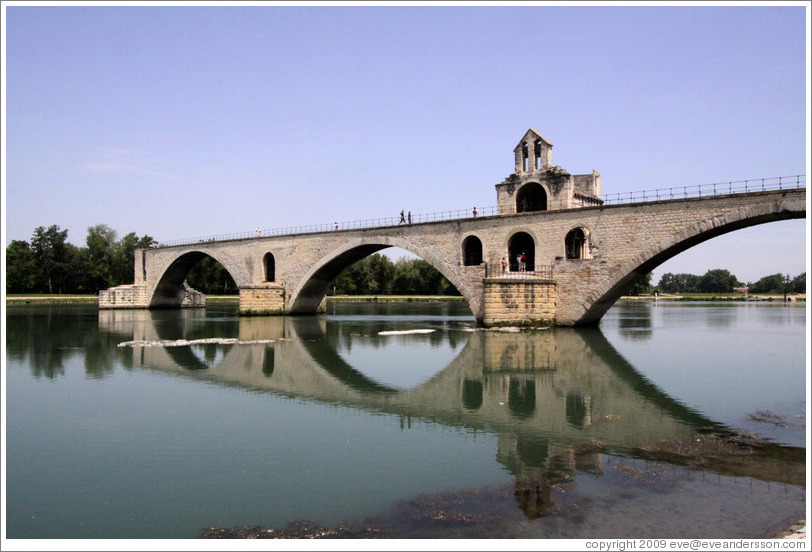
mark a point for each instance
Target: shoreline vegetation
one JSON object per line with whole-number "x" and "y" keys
{"x": 50, "y": 298}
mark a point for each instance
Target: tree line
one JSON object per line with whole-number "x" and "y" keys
{"x": 719, "y": 281}
{"x": 50, "y": 264}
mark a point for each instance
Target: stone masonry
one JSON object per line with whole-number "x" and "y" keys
{"x": 518, "y": 301}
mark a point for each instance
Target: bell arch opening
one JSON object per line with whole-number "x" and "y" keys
{"x": 531, "y": 197}
{"x": 189, "y": 276}
{"x": 576, "y": 244}
{"x": 472, "y": 251}
{"x": 521, "y": 245}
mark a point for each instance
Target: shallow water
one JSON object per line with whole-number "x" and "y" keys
{"x": 405, "y": 418}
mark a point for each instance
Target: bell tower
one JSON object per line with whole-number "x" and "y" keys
{"x": 533, "y": 153}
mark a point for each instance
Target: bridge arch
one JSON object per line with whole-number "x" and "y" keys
{"x": 531, "y": 197}
{"x": 628, "y": 274}
{"x": 170, "y": 289}
{"x": 307, "y": 293}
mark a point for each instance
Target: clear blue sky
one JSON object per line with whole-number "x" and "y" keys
{"x": 190, "y": 121}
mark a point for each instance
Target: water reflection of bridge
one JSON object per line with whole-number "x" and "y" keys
{"x": 557, "y": 400}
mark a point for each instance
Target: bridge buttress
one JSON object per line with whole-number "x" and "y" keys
{"x": 267, "y": 298}
{"x": 518, "y": 302}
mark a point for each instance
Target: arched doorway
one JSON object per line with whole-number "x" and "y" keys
{"x": 270, "y": 267}
{"x": 531, "y": 197}
{"x": 471, "y": 251}
{"x": 576, "y": 244}
{"x": 520, "y": 244}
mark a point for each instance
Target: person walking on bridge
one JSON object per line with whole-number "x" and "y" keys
{"x": 402, "y": 219}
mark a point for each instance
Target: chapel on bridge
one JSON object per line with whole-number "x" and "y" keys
{"x": 538, "y": 185}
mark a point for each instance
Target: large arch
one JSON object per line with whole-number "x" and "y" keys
{"x": 307, "y": 294}
{"x": 630, "y": 273}
{"x": 269, "y": 265}
{"x": 171, "y": 289}
{"x": 521, "y": 243}
{"x": 531, "y": 197}
{"x": 472, "y": 251}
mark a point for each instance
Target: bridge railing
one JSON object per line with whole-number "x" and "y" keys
{"x": 513, "y": 271}
{"x": 659, "y": 194}
{"x": 707, "y": 190}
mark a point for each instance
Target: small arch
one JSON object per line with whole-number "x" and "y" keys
{"x": 269, "y": 263}
{"x": 471, "y": 251}
{"x": 531, "y": 197}
{"x": 522, "y": 243}
{"x": 576, "y": 244}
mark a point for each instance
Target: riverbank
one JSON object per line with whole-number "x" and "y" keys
{"x": 48, "y": 298}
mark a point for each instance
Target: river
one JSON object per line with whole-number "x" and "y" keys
{"x": 670, "y": 420}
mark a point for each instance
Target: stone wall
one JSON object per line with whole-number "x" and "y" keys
{"x": 124, "y": 297}
{"x": 526, "y": 301}
{"x": 265, "y": 298}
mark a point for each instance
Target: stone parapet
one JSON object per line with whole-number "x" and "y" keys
{"x": 265, "y": 298}
{"x": 528, "y": 301}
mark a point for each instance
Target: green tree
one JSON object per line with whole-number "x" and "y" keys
{"x": 769, "y": 284}
{"x": 798, "y": 284}
{"x": 21, "y": 268}
{"x": 123, "y": 261}
{"x": 642, "y": 287}
{"x": 209, "y": 276}
{"x": 101, "y": 250}
{"x": 678, "y": 283}
{"x": 717, "y": 281}
{"x": 377, "y": 275}
{"x": 52, "y": 254}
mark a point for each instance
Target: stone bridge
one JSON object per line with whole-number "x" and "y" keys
{"x": 581, "y": 254}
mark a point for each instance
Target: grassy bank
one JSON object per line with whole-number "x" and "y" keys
{"x": 43, "y": 298}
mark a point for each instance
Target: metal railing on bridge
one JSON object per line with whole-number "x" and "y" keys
{"x": 708, "y": 190}
{"x": 514, "y": 271}
{"x": 658, "y": 194}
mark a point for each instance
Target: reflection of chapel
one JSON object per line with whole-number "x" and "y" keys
{"x": 537, "y": 185}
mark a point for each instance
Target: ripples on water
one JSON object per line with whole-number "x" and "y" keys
{"x": 405, "y": 421}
